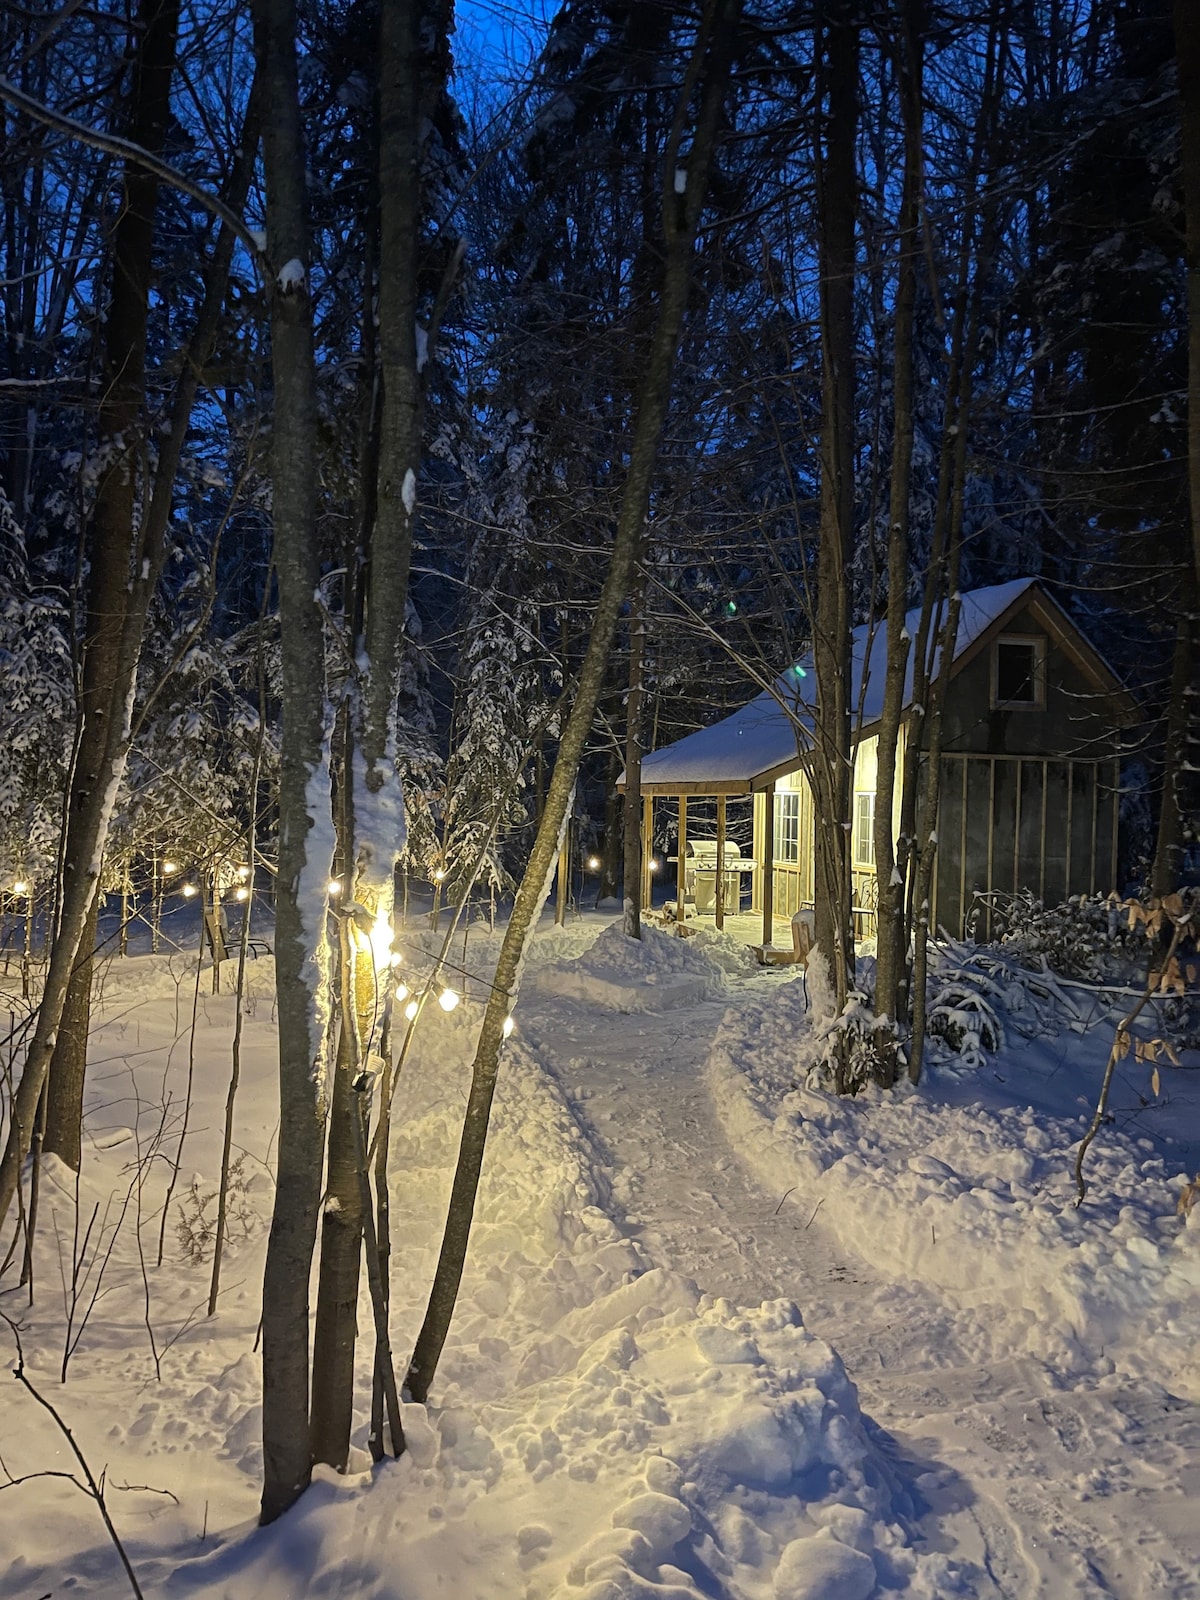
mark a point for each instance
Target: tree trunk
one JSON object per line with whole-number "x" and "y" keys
{"x": 1187, "y": 69}
{"x": 837, "y": 188}
{"x": 889, "y": 875}
{"x": 118, "y": 593}
{"x": 303, "y": 778}
{"x": 1165, "y": 872}
{"x": 632, "y": 816}
{"x": 68, "y": 1065}
{"x": 708, "y": 69}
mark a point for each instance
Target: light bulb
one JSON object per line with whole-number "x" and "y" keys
{"x": 395, "y": 958}
{"x": 243, "y": 893}
{"x": 189, "y": 889}
{"x": 448, "y": 999}
{"x": 507, "y": 1027}
{"x": 169, "y": 867}
{"x": 593, "y": 863}
{"x": 243, "y": 873}
{"x": 333, "y": 886}
{"x": 20, "y": 888}
{"x": 439, "y": 875}
{"x": 411, "y": 1009}
{"x": 401, "y": 991}
{"x": 654, "y": 864}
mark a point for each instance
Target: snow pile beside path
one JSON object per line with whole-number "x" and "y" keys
{"x": 653, "y": 973}
{"x": 979, "y": 1201}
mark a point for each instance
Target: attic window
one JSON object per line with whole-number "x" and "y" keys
{"x": 1019, "y": 671}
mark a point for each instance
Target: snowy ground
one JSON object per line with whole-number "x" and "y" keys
{"x": 720, "y": 1336}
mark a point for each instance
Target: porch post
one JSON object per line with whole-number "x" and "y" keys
{"x": 681, "y": 864}
{"x": 720, "y": 889}
{"x": 768, "y": 868}
{"x": 647, "y": 843}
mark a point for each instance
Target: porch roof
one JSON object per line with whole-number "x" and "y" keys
{"x": 771, "y": 736}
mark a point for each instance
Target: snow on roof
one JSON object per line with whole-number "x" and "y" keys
{"x": 775, "y": 727}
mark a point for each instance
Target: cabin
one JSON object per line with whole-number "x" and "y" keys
{"x": 1029, "y": 776}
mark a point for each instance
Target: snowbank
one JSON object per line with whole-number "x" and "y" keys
{"x": 978, "y": 1200}
{"x": 656, "y": 973}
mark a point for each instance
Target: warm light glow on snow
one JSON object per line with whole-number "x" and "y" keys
{"x": 380, "y": 940}
{"x": 448, "y": 999}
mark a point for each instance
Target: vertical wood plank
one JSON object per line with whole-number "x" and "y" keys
{"x": 719, "y": 908}
{"x": 647, "y": 851}
{"x": 681, "y": 864}
{"x": 768, "y": 863}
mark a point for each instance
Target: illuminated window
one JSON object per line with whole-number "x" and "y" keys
{"x": 864, "y": 829}
{"x": 1018, "y": 671}
{"x": 787, "y": 825}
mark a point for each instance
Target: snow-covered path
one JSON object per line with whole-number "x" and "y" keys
{"x": 1049, "y": 1486}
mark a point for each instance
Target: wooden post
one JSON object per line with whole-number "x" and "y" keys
{"x": 719, "y": 903}
{"x": 564, "y": 874}
{"x": 647, "y": 852}
{"x": 768, "y": 866}
{"x": 681, "y": 864}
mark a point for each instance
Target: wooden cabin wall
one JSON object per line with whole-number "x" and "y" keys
{"x": 1007, "y": 823}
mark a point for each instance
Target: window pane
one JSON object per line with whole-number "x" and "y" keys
{"x": 1016, "y": 672}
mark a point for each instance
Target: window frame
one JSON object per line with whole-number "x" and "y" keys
{"x": 1038, "y": 701}
{"x": 784, "y": 834}
{"x": 861, "y": 837}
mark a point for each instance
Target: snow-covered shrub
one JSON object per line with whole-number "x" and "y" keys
{"x": 962, "y": 1017}
{"x": 1085, "y": 937}
{"x": 847, "y": 1048}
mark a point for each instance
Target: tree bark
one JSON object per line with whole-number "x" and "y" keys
{"x": 1166, "y": 867}
{"x": 708, "y": 69}
{"x": 118, "y": 593}
{"x": 837, "y": 187}
{"x": 889, "y": 874}
{"x": 1187, "y": 69}
{"x": 303, "y": 778}
{"x": 632, "y": 814}
{"x": 68, "y": 1065}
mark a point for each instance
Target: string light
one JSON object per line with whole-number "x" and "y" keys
{"x": 243, "y": 893}
{"x": 333, "y": 886}
{"x": 394, "y": 958}
{"x": 799, "y": 671}
{"x": 243, "y": 873}
{"x": 448, "y": 999}
{"x": 170, "y": 868}
{"x": 507, "y": 1026}
{"x": 654, "y": 863}
{"x": 411, "y": 1009}
{"x": 20, "y": 888}
{"x": 401, "y": 991}
{"x": 593, "y": 863}
{"x": 439, "y": 874}
{"x": 731, "y": 607}
{"x": 189, "y": 889}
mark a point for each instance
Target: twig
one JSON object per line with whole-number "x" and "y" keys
{"x": 95, "y": 1488}
{"x": 786, "y": 1192}
{"x": 816, "y": 1208}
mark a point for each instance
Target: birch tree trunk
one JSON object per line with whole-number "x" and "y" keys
{"x": 708, "y": 73}
{"x": 303, "y": 778}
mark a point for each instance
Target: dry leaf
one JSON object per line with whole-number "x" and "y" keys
{"x": 1154, "y": 1084}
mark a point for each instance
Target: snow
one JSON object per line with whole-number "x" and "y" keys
{"x": 769, "y": 731}
{"x": 408, "y": 490}
{"x": 707, "y": 1343}
{"x": 292, "y": 277}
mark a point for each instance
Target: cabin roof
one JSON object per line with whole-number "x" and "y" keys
{"x": 771, "y": 735}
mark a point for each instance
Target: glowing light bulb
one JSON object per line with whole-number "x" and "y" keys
{"x": 448, "y": 999}
{"x": 380, "y": 940}
{"x": 799, "y": 671}
{"x": 593, "y": 863}
{"x": 243, "y": 873}
{"x": 507, "y": 1027}
{"x": 411, "y": 1009}
{"x": 401, "y": 991}
{"x": 654, "y": 863}
{"x": 169, "y": 868}
{"x": 243, "y": 893}
{"x": 394, "y": 958}
{"x": 439, "y": 875}
{"x": 189, "y": 889}
{"x": 20, "y": 888}
{"x": 333, "y": 886}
